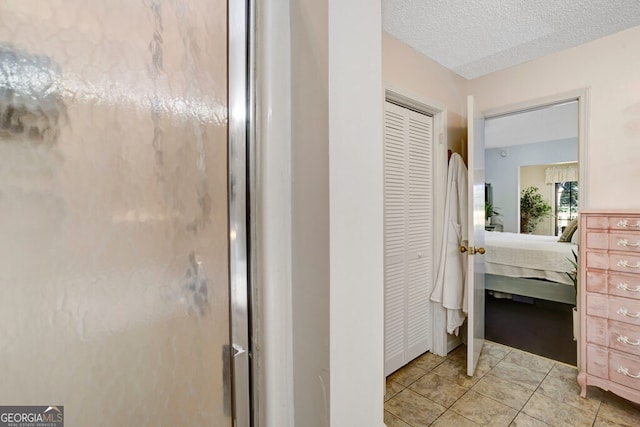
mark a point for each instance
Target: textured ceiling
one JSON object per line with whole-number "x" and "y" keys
{"x": 477, "y": 37}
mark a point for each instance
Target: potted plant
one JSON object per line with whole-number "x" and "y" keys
{"x": 573, "y": 275}
{"x": 533, "y": 208}
{"x": 489, "y": 212}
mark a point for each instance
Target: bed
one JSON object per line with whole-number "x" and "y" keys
{"x": 529, "y": 265}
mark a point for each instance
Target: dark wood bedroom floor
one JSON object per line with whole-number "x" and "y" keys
{"x": 542, "y": 327}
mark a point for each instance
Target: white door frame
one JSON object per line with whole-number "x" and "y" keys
{"x": 581, "y": 95}
{"x": 439, "y": 113}
{"x": 443, "y": 342}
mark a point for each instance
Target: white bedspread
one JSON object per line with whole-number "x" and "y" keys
{"x": 528, "y": 255}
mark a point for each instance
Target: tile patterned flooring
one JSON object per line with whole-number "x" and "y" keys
{"x": 510, "y": 388}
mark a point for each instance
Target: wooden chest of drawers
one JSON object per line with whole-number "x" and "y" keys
{"x": 609, "y": 279}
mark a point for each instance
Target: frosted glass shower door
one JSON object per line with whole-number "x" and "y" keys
{"x": 114, "y": 259}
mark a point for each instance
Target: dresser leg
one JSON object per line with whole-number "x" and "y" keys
{"x": 582, "y": 381}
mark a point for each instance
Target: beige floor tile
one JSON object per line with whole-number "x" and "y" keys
{"x": 564, "y": 368}
{"x": 511, "y": 394}
{"x": 555, "y": 412}
{"x": 562, "y": 385}
{"x": 489, "y": 360}
{"x": 459, "y": 350}
{"x": 428, "y": 361}
{"x": 619, "y": 410}
{"x": 439, "y": 389}
{"x": 485, "y": 364}
{"x": 406, "y": 375}
{"x": 459, "y": 354}
{"x": 494, "y": 352}
{"x": 490, "y": 356}
{"x": 450, "y": 419}
{"x": 414, "y": 409}
{"x": 603, "y": 422}
{"x": 392, "y": 389}
{"x": 533, "y": 362}
{"x": 392, "y": 421}
{"x": 518, "y": 373}
{"x": 483, "y": 410}
{"x": 454, "y": 371}
{"x": 524, "y": 420}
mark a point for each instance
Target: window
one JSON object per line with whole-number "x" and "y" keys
{"x": 566, "y": 204}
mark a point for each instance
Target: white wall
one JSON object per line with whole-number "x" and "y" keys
{"x": 609, "y": 67}
{"x": 417, "y": 76}
{"x": 310, "y": 210}
{"x": 356, "y": 165}
{"x": 273, "y": 343}
{"x": 321, "y": 143}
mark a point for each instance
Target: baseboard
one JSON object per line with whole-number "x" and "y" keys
{"x": 453, "y": 341}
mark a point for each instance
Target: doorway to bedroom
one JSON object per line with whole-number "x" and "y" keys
{"x": 532, "y": 184}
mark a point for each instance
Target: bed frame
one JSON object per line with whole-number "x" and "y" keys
{"x": 533, "y": 288}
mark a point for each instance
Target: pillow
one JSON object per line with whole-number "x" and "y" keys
{"x": 575, "y": 239}
{"x": 568, "y": 231}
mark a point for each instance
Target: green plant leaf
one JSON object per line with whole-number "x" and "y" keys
{"x": 533, "y": 209}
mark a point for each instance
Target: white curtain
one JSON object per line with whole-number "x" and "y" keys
{"x": 561, "y": 174}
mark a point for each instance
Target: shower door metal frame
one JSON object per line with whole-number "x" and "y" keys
{"x": 240, "y": 138}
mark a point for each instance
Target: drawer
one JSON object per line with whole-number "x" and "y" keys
{"x": 625, "y": 263}
{"x": 597, "y": 330}
{"x": 624, "y": 285}
{"x": 615, "y": 241}
{"x": 616, "y": 335}
{"x": 613, "y": 223}
{"x": 627, "y": 242}
{"x": 624, "y": 369}
{"x": 597, "y": 361}
{"x": 623, "y": 337}
{"x": 614, "y": 308}
{"x": 624, "y": 223}
{"x": 597, "y": 239}
{"x": 617, "y": 262}
{"x": 597, "y": 281}
{"x": 598, "y": 260}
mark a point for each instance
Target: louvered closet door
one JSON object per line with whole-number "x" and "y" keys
{"x": 407, "y": 234}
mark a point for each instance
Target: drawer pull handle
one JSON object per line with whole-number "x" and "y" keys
{"x": 623, "y": 223}
{"x": 625, "y": 371}
{"x": 624, "y": 263}
{"x": 625, "y": 243}
{"x": 622, "y": 338}
{"x": 625, "y": 287}
{"x": 624, "y": 312}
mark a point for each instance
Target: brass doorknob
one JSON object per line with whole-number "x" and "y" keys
{"x": 463, "y": 249}
{"x": 480, "y": 251}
